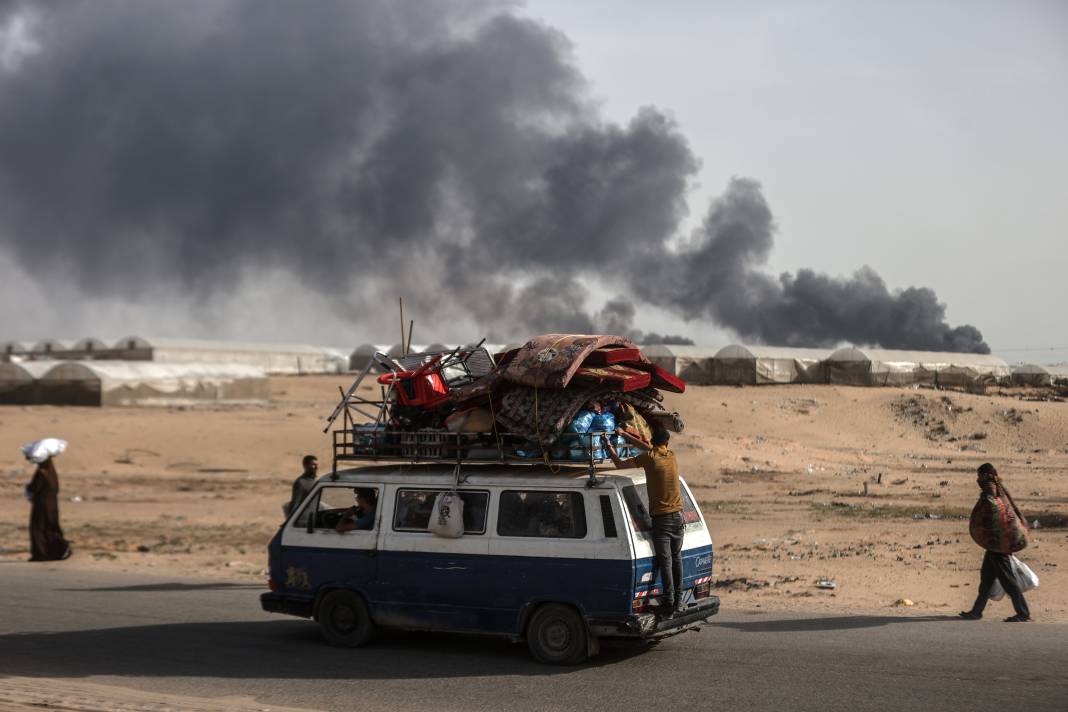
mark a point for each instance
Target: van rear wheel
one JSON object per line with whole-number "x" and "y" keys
{"x": 344, "y": 620}
{"x": 557, "y": 635}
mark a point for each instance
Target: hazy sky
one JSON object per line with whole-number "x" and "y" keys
{"x": 928, "y": 139}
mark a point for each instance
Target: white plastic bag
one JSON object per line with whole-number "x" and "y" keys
{"x": 447, "y": 517}
{"x": 40, "y": 450}
{"x": 1026, "y": 579}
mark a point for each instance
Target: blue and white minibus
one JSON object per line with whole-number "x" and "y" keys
{"x": 559, "y": 558}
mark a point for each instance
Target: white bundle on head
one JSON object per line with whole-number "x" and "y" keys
{"x": 40, "y": 450}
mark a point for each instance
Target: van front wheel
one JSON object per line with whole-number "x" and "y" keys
{"x": 557, "y": 635}
{"x": 344, "y": 620}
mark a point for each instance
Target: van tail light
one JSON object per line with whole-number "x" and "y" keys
{"x": 273, "y": 585}
{"x": 702, "y": 587}
{"x": 641, "y": 600}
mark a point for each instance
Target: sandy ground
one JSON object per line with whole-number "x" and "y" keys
{"x": 780, "y": 473}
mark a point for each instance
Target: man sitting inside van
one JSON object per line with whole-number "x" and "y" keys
{"x": 665, "y": 506}
{"x": 361, "y": 516}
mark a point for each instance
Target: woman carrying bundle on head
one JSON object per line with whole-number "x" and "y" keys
{"x": 46, "y": 537}
{"x": 998, "y": 526}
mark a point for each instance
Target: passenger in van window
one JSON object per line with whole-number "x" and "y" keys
{"x": 303, "y": 485}
{"x": 362, "y": 516}
{"x": 665, "y": 506}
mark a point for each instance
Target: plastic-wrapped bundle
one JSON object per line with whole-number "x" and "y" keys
{"x": 40, "y": 450}
{"x": 572, "y": 445}
{"x": 603, "y": 422}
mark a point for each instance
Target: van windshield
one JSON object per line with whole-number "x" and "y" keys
{"x": 637, "y": 499}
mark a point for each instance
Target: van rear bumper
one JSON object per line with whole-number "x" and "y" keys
{"x": 650, "y": 626}
{"x": 277, "y": 603}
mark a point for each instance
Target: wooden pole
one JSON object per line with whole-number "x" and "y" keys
{"x": 404, "y": 351}
{"x": 411, "y": 325}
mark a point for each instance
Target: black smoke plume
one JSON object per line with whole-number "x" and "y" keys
{"x": 444, "y": 150}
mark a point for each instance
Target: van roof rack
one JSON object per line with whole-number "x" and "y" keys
{"x": 375, "y": 443}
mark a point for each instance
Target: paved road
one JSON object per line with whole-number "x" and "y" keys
{"x": 208, "y": 639}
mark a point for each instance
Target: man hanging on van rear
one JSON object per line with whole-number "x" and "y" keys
{"x": 665, "y": 506}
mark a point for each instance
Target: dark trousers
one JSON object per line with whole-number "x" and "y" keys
{"x": 997, "y": 567}
{"x": 667, "y": 543}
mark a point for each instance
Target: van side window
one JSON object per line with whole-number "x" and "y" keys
{"x": 542, "y": 514}
{"x": 414, "y": 506}
{"x": 341, "y": 509}
{"x": 607, "y": 517}
{"x": 637, "y": 499}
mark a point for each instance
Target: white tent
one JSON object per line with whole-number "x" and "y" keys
{"x": 148, "y": 383}
{"x": 753, "y": 365}
{"x": 51, "y": 348}
{"x": 693, "y": 364}
{"x": 398, "y": 349}
{"x": 269, "y": 357}
{"x": 14, "y": 350}
{"x": 1032, "y": 374}
{"x": 361, "y": 355}
{"x": 18, "y": 381}
{"x": 888, "y": 367}
{"x": 89, "y": 348}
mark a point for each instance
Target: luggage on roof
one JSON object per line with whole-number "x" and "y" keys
{"x": 463, "y": 405}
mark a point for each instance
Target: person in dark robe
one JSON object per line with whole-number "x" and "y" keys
{"x": 46, "y": 538}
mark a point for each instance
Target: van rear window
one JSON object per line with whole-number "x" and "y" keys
{"x": 637, "y": 499}
{"x": 542, "y": 514}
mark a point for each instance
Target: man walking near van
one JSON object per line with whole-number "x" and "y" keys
{"x": 665, "y": 507}
{"x": 303, "y": 484}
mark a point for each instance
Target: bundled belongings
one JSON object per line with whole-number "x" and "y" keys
{"x": 997, "y": 525}
{"x": 554, "y": 399}
{"x": 40, "y": 450}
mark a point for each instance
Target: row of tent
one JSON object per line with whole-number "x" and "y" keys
{"x": 272, "y": 358}
{"x": 699, "y": 365}
{"x": 360, "y": 357}
{"x": 268, "y": 357}
{"x": 755, "y": 365}
{"x": 98, "y": 383}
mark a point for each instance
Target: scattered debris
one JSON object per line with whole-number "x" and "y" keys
{"x": 741, "y": 584}
{"x": 904, "y": 602}
{"x": 920, "y": 412}
{"x": 826, "y": 583}
{"x": 1011, "y": 416}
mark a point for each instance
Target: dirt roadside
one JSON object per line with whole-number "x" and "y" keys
{"x": 780, "y": 473}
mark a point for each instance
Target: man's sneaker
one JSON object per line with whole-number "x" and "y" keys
{"x": 970, "y": 615}
{"x": 1018, "y": 619}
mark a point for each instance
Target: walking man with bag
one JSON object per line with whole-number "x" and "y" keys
{"x": 998, "y": 526}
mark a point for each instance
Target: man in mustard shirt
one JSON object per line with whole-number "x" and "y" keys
{"x": 665, "y": 506}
